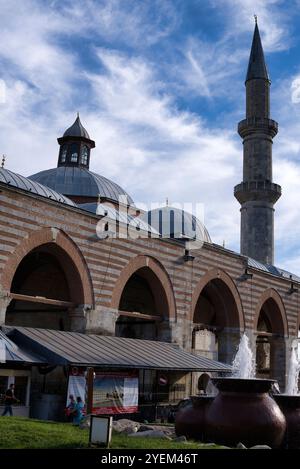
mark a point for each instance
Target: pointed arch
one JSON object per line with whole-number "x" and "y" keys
{"x": 58, "y": 239}
{"x": 220, "y": 278}
{"x": 156, "y": 270}
{"x": 278, "y": 318}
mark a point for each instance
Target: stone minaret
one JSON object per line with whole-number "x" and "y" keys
{"x": 257, "y": 193}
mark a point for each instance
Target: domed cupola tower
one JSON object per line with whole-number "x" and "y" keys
{"x": 75, "y": 146}
{"x": 72, "y": 176}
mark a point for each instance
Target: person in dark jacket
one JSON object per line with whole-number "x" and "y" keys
{"x": 70, "y": 408}
{"x": 9, "y": 400}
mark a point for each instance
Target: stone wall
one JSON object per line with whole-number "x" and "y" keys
{"x": 104, "y": 266}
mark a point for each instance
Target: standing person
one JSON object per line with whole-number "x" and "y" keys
{"x": 70, "y": 408}
{"x": 78, "y": 411}
{"x": 9, "y": 400}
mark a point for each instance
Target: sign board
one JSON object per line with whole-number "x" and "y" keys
{"x": 115, "y": 393}
{"x": 100, "y": 430}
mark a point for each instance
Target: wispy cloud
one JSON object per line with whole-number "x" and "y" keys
{"x": 295, "y": 90}
{"x": 134, "y": 23}
{"x": 166, "y": 152}
{"x": 271, "y": 16}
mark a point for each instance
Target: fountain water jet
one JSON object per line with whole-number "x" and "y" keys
{"x": 244, "y": 362}
{"x": 293, "y": 376}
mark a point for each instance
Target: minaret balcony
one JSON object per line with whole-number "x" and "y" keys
{"x": 257, "y": 190}
{"x": 257, "y": 124}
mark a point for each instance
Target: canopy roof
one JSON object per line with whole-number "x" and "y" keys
{"x": 71, "y": 348}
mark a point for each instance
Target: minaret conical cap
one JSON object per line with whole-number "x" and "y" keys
{"x": 257, "y": 67}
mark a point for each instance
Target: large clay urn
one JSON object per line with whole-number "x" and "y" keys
{"x": 190, "y": 421}
{"x": 243, "y": 411}
{"x": 290, "y": 406}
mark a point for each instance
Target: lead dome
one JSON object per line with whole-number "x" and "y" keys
{"x": 72, "y": 176}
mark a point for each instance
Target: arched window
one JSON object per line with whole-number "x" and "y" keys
{"x": 84, "y": 155}
{"x": 63, "y": 155}
{"x": 74, "y": 153}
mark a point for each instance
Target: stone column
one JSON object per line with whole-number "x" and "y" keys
{"x": 102, "y": 321}
{"x": 4, "y": 303}
{"x": 279, "y": 351}
{"x": 167, "y": 331}
{"x": 228, "y": 342}
{"x": 78, "y": 318}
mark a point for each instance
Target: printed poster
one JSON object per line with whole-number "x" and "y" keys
{"x": 77, "y": 384}
{"x": 115, "y": 393}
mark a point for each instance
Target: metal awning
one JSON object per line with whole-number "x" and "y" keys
{"x": 12, "y": 354}
{"x": 71, "y": 348}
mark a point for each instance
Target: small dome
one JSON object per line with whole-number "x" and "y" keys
{"x": 176, "y": 223}
{"x": 77, "y": 130}
{"x": 117, "y": 215}
{"x": 75, "y": 181}
{"x": 21, "y": 182}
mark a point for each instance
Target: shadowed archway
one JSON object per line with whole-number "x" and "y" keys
{"x": 48, "y": 282}
{"x": 217, "y": 316}
{"x": 271, "y": 328}
{"x": 143, "y": 307}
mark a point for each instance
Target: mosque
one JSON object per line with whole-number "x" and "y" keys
{"x": 78, "y": 259}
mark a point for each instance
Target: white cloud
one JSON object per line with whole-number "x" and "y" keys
{"x": 138, "y": 24}
{"x": 295, "y": 90}
{"x": 271, "y": 19}
{"x": 209, "y": 69}
{"x": 2, "y": 92}
{"x": 196, "y": 76}
{"x": 164, "y": 152}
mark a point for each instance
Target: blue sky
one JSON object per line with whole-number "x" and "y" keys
{"x": 160, "y": 87}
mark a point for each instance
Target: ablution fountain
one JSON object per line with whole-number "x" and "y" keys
{"x": 289, "y": 402}
{"x": 242, "y": 411}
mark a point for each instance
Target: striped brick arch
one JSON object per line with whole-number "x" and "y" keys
{"x": 271, "y": 303}
{"x": 158, "y": 280}
{"x": 56, "y": 242}
{"x": 217, "y": 286}
{"x": 271, "y": 326}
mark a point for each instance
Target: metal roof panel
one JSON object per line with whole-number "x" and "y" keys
{"x": 106, "y": 351}
{"x": 23, "y": 183}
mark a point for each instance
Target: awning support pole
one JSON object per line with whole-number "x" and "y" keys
{"x": 90, "y": 386}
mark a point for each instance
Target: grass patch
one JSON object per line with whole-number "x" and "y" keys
{"x": 21, "y": 433}
{"x": 17, "y": 432}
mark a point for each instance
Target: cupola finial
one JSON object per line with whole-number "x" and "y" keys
{"x": 75, "y": 146}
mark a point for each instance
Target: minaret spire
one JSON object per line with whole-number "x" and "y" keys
{"x": 257, "y": 193}
{"x": 257, "y": 66}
